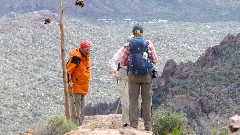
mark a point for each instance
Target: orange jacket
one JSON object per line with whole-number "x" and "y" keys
{"x": 80, "y": 73}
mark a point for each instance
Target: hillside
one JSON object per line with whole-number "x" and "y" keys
{"x": 31, "y": 75}
{"x": 206, "y": 90}
{"x": 141, "y": 10}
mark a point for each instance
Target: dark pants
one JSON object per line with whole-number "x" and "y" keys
{"x": 141, "y": 84}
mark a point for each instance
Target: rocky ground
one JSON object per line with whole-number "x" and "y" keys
{"x": 103, "y": 125}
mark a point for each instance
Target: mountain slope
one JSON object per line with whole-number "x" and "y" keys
{"x": 31, "y": 74}
{"x": 177, "y": 10}
{"x": 207, "y": 90}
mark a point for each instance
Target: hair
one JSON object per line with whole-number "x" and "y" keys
{"x": 137, "y": 33}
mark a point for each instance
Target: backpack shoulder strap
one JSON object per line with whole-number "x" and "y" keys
{"x": 72, "y": 63}
{"x": 75, "y": 60}
{"x": 137, "y": 44}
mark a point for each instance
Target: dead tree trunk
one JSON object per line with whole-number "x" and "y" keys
{"x": 63, "y": 61}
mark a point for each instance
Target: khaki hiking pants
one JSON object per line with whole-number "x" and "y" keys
{"x": 140, "y": 84}
{"x": 123, "y": 90}
{"x": 80, "y": 108}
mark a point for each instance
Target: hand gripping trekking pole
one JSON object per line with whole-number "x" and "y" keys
{"x": 73, "y": 98}
{"x": 121, "y": 94}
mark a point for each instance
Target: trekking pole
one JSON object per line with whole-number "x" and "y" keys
{"x": 73, "y": 98}
{"x": 121, "y": 94}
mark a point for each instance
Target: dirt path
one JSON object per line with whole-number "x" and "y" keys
{"x": 107, "y": 125}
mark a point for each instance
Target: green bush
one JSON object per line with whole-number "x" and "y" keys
{"x": 219, "y": 132}
{"x": 58, "y": 125}
{"x": 53, "y": 125}
{"x": 166, "y": 122}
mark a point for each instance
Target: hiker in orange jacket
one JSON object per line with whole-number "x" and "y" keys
{"x": 78, "y": 70}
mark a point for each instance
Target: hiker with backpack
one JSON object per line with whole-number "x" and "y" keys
{"x": 139, "y": 55}
{"x": 78, "y": 72}
{"x": 120, "y": 74}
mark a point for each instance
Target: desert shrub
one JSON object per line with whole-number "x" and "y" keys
{"x": 219, "y": 132}
{"x": 54, "y": 125}
{"x": 59, "y": 126}
{"x": 167, "y": 122}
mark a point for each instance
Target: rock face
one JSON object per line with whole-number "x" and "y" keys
{"x": 206, "y": 90}
{"x": 234, "y": 125}
{"x": 208, "y": 59}
{"x": 103, "y": 108}
{"x": 169, "y": 69}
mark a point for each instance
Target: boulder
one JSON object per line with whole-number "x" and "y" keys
{"x": 234, "y": 125}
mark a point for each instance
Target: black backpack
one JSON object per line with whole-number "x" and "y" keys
{"x": 139, "y": 63}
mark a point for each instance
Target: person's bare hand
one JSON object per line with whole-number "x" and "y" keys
{"x": 115, "y": 74}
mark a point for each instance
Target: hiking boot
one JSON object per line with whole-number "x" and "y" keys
{"x": 147, "y": 129}
{"x": 134, "y": 125}
{"x": 125, "y": 125}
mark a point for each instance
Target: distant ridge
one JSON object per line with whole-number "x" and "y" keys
{"x": 142, "y": 10}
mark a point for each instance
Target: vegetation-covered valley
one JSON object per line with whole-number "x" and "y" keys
{"x": 31, "y": 74}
